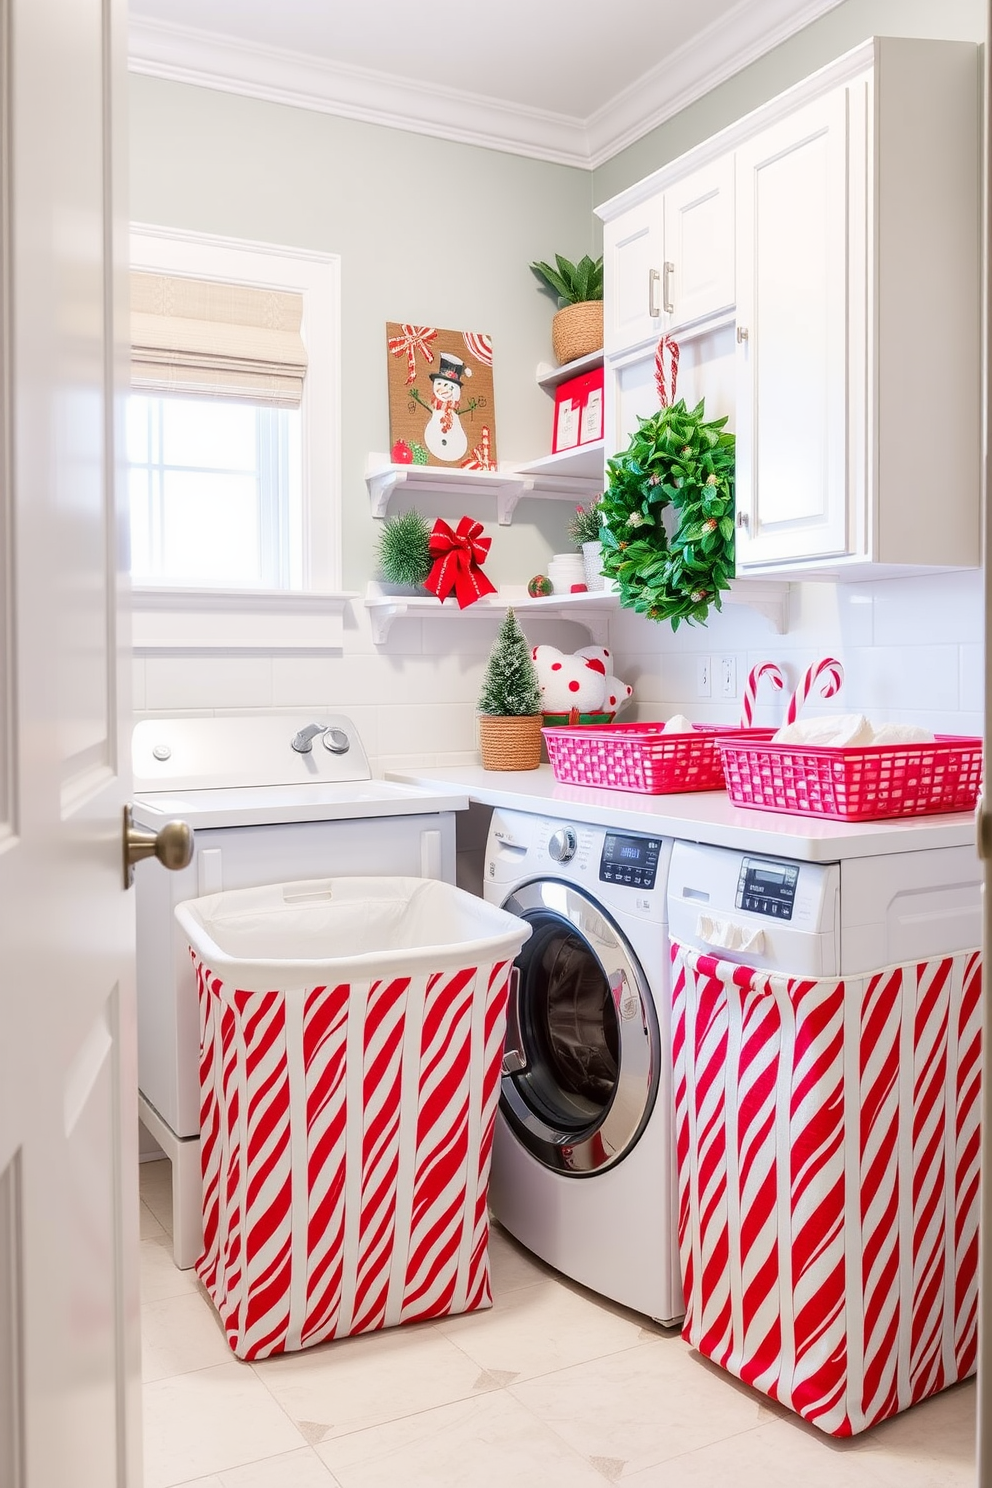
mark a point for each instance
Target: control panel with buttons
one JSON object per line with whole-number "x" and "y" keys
{"x": 630, "y": 861}
{"x": 767, "y": 888}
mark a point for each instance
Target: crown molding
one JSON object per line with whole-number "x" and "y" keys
{"x": 184, "y": 54}
{"x": 187, "y": 55}
{"x": 724, "y": 48}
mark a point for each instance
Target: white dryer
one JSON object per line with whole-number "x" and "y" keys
{"x": 583, "y": 1156}
{"x": 271, "y": 798}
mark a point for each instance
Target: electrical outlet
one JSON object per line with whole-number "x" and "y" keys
{"x": 728, "y": 676}
{"x": 704, "y": 681}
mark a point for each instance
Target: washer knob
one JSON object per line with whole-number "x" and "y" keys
{"x": 336, "y": 740}
{"x": 562, "y": 845}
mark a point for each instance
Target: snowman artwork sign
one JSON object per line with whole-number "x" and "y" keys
{"x": 440, "y": 397}
{"x": 444, "y": 435}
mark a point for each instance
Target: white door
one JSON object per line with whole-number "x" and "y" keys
{"x": 698, "y": 276}
{"x": 69, "y": 1365}
{"x": 792, "y": 324}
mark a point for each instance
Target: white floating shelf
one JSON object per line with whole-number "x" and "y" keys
{"x": 591, "y": 609}
{"x": 550, "y": 377}
{"x": 561, "y": 477}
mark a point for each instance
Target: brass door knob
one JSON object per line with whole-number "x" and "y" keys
{"x": 172, "y": 844}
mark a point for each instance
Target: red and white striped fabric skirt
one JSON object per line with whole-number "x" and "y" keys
{"x": 827, "y": 1135}
{"x": 346, "y": 1136}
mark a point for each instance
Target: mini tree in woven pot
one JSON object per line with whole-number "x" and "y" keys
{"x": 510, "y": 703}
{"x": 577, "y": 329}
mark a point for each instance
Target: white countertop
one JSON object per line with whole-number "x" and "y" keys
{"x": 697, "y": 816}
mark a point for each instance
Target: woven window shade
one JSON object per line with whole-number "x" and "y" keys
{"x": 226, "y": 340}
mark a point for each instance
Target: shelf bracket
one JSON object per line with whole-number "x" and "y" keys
{"x": 770, "y": 599}
{"x": 381, "y": 487}
{"x": 507, "y": 498}
{"x": 382, "y": 616}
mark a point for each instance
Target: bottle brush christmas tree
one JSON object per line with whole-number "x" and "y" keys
{"x": 509, "y": 689}
{"x": 510, "y": 703}
{"x": 404, "y": 549}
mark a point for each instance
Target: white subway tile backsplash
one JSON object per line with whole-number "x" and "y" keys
{"x": 972, "y": 677}
{"x": 932, "y": 609}
{"x": 911, "y": 648}
{"x": 207, "y": 682}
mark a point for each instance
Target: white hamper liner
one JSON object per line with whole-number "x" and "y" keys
{"x": 351, "y": 1036}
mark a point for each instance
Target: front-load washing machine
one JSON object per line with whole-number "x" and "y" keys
{"x": 271, "y": 798}
{"x": 583, "y": 1156}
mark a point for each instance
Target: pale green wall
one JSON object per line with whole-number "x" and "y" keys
{"x": 428, "y": 231}
{"x": 831, "y": 36}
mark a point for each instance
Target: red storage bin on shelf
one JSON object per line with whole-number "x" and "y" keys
{"x": 641, "y": 756}
{"x": 865, "y": 783}
{"x": 578, "y": 411}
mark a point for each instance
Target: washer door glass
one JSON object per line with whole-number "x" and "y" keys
{"x": 582, "y": 1056}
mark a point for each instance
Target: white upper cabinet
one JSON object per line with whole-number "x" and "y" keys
{"x": 669, "y": 258}
{"x": 633, "y": 256}
{"x": 841, "y": 224}
{"x": 698, "y": 271}
{"x": 793, "y": 337}
{"x": 858, "y": 280}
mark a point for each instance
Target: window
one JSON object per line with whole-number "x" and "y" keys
{"x": 215, "y": 493}
{"x": 232, "y": 427}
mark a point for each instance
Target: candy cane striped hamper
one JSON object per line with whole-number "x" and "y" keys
{"x": 347, "y": 1120}
{"x": 827, "y": 1136}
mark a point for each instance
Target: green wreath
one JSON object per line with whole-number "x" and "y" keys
{"x": 678, "y": 459}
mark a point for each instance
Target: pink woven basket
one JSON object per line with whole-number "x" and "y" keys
{"x": 641, "y": 756}
{"x": 854, "y": 784}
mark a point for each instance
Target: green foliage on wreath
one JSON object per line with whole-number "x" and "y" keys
{"x": 675, "y": 459}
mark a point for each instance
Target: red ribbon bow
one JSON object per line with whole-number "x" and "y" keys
{"x": 458, "y": 557}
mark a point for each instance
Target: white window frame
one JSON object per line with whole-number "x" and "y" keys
{"x": 225, "y": 619}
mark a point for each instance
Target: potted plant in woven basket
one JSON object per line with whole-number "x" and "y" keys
{"x": 510, "y": 703}
{"x": 577, "y": 329}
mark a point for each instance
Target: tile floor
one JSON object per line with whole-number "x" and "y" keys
{"x": 553, "y": 1388}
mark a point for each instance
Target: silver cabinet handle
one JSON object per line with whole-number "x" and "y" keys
{"x": 743, "y": 520}
{"x": 666, "y": 294}
{"x": 653, "y": 278}
{"x": 741, "y": 334}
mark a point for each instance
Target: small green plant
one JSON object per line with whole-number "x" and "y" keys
{"x": 404, "y": 549}
{"x": 509, "y": 687}
{"x": 573, "y": 283}
{"x": 679, "y": 459}
{"x": 584, "y": 524}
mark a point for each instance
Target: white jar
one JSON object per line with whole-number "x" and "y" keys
{"x": 566, "y": 570}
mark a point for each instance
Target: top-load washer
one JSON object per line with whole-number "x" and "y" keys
{"x": 271, "y": 798}
{"x": 583, "y": 1156}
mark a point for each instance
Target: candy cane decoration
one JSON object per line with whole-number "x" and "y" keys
{"x": 481, "y": 457}
{"x": 828, "y": 668}
{"x": 768, "y": 669}
{"x": 666, "y": 390}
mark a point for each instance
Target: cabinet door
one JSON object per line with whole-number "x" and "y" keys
{"x": 792, "y": 329}
{"x": 698, "y": 270}
{"x": 633, "y": 258}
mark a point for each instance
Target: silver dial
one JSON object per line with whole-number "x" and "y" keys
{"x": 562, "y": 845}
{"x": 336, "y": 740}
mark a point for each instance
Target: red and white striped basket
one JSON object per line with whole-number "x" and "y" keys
{"x": 641, "y": 756}
{"x": 827, "y": 1138}
{"x": 346, "y": 1130}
